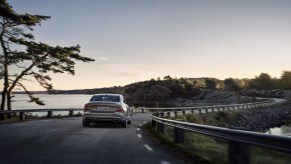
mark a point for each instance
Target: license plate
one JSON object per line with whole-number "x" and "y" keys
{"x": 102, "y": 107}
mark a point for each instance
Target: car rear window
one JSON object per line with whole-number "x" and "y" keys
{"x": 105, "y": 98}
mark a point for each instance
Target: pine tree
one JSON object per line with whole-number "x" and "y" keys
{"x": 36, "y": 60}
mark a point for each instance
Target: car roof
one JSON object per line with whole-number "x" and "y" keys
{"x": 110, "y": 94}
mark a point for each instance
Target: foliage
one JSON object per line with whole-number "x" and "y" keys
{"x": 285, "y": 81}
{"x": 210, "y": 84}
{"x": 157, "y": 91}
{"x": 33, "y": 60}
{"x": 232, "y": 85}
{"x": 263, "y": 81}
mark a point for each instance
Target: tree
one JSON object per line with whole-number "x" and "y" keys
{"x": 231, "y": 85}
{"x": 34, "y": 60}
{"x": 210, "y": 84}
{"x": 264, "y": 81}
{"x": 285, "y": 80}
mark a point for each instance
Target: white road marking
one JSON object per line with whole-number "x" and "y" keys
{"x": 138, "y": 129}
{"x": 140, "y": 125}
{"x": 149, "y": 148}
{"x": 139, "y": 135}
{"x": 165, "y": 162}
{"x": 145, "y": 122}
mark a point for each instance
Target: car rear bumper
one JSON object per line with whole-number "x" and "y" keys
{"x": 93, "y": 117}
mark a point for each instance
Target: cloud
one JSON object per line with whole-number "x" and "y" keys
{"x": 121, "y": 74}
{"x": 103, "y": 58}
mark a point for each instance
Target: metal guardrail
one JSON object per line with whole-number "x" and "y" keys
{"x": 239, "y": 140}
{"x": 219, "y": 107}
{"x": 49, "y": 112}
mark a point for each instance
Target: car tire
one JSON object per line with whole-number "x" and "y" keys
{"x": 129, "y": 122}
{"x": 85, "y": 124}
{"x": 124, "y": 124}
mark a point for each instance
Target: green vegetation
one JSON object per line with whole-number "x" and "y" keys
{"x": 221, "y": 119}
{"x": 265, "y": 81}
{"x": 155, "y": 92}
{"x": 198, "y": 148}
{"x": 23, "y": 58}
{"x": 158, "y": 91}
{"x": 203, "y": 149}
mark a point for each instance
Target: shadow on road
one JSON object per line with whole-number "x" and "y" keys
{"x": 105, "y": 125}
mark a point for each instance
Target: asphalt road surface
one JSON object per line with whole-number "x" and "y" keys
{"x": 67, "y": 141}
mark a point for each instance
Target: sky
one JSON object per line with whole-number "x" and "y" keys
{"x": 136, "y": 40}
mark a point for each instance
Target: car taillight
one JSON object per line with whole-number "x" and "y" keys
{"x": 86, "y": 107}
{"x": 119, "y": 109}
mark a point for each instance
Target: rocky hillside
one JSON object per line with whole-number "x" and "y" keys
{"x": 210, "y": 97}
{"x": 275, "y": 93}
{"x": 263, "y": 119}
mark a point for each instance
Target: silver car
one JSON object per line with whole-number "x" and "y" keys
{"x": 107, "y": 108}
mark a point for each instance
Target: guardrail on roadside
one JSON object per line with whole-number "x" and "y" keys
{"x": 212, "y": 108}
{"x": 239, "y": 141}
{"x": 49, "y": 112}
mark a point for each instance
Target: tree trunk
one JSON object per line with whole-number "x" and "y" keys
{"x": 8, "y": 100}
{"x": 2, "y": 117}
{"x": 8, "y": 103}
{"x": 3, "y": 98}
{"x": 5, "y": 70}
{"x": 4, "y": 92}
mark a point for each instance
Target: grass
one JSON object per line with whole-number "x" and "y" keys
{"x": 204, "y": 149}
{"x": 197, "y": 148}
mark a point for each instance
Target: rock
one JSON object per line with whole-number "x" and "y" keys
{"x": 263, "y": 119}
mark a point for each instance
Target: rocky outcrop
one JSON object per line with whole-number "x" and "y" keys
{"x": 274, "y": 93}
{"x": 211, "y": 97}
{"x": 263, "y": 119}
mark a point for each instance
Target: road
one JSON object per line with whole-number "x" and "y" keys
{"x": 67, "y": 141}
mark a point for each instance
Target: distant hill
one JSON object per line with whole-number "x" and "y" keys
{"x": 175, "y": 92}
{"x": 197, "y": 82}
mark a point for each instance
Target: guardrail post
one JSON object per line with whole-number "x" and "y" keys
{"x": 199, "y": 111}
{"x": 183, "y": 112}
{"x": 161, "y": 128}
{"x": 157, "y": 114}
{"x": 162, "y": 114}
{"x": 49, "y": 114}
{"x": 153, "y": 123}
{"x": 192, "y": 111}
{"x": 206, "y": 110}
{"x": 142, "y": 110}
{"x": 175, "y": 113}
{"x": 178, "y": 135}
{"x": 21, "y": 116}
{"x": 238, "y": 153}
{"x": 71, "y": 113}
{"x": 169, "y": 114}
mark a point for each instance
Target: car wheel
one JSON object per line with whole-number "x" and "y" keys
{"x": 129, "y": 122}
{"x": 85, "y": 124}
{"x": 124, "y": 124}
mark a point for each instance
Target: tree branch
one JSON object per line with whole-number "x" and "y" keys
{"x": 32, "y": 98}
